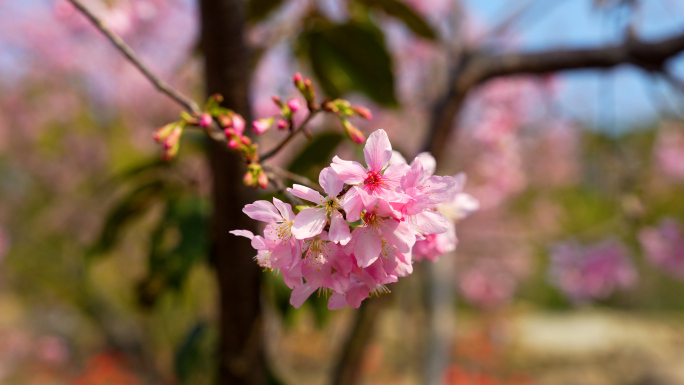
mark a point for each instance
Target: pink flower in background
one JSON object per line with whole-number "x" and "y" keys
{"x": 594, "y": 272}
{"x": 669, "y": 150}
{"x": 487, "y": 284}
{"x": 664, "y": 246}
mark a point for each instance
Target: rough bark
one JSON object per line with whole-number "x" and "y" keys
{"x": 241, "y": 353}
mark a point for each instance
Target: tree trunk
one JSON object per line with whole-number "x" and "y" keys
{"x": 241, "y": 353}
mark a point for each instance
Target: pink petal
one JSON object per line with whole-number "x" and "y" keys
{"x": 306, "y": 193}
{"x": 431, "y": 222}
{"x": 393, "y": 174}
{"x": 367, "y": 246}
{"x": 309, "y": 223}
{"x": 284, "y": 208}
{"x": 331, "y": 183}
{"x": 349, "y": 172}
{"x": 337, "y": 301}
{"x": 243, "y": 233}
{"x": 397, "y": 158}
{"x": 339, "y": 229}
{"x": 378, "y": 151}
{"x": 414, "y": 176}
{"x": 353, "y": 203}
{"x": 429, "y": 162}
{"x": 300, "y": 294}
{"x": 439, "y": 188}
{"x": 399, "y": 234}
{"x": 356, "y": 294}
{"x": 262, "y": 211}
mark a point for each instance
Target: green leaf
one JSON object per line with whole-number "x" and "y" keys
{"x": 130, "y": 207}
{"x": 193, "y": 361}
{"x": 350, "y": 57}
{"x": 406, "y": 14}
{"x": 258, "y": 10}
{"x": 316, "y": 154}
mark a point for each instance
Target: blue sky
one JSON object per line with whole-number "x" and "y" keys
{"x": 612, "y": 100}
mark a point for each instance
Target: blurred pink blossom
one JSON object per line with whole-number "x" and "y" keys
{"x": 487, "y": 284}
{"x": 586, "y": 273}
{"x": 664, "y": 246}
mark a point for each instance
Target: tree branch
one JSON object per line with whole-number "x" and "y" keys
{"x": 476, "y": 68}
{"x": 287, "y": 139}
{"x": 160, "y": 84}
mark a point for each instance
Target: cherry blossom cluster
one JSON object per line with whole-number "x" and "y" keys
{"x": 358, "y": 236}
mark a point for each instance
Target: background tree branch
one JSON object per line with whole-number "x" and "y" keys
{"x": 476, "y": 68}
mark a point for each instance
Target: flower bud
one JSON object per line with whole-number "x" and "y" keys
{"x": 294, "y": 104}
{"x": 308, "y": 92}
{"x": 263, "y": 180}
{"x": 262, "y": 125}
{"x": 238, "y": 124}
{"x": 354, "y": 133}
{"x": 233, "y": 144}
{"x": 229, "y": 132}
{"x": 363, "y": 112}
{"x": 277, "y": 101}
{"x": 161, "y": 134}
{"x": 282, "y": 124}
{"x": 245, "y": 140}
{"x": 171, "y": 152}
{"x": 225, "y": 120}
{"x": 205, "y": 120}
{"x": 298, "y": 81}
{"x": 218, "y": 98}
{"x": 248, "y": 179}
{"x": 173, "y": 137}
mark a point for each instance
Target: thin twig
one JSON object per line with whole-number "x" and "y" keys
{"x": 282, "y": 173}
{"x": 287, "y": 139}
{"x": 160, "y": 84}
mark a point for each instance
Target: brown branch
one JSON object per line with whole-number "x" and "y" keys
{"x": 476, "y": 68}
{"x": 301, "y": 128}
{"x": 284, "y": 174}
{"x": 160, "y": 84}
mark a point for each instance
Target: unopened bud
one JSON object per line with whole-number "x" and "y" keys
{"x": 354, "y": 133}
{"x": 277, "y": 101}
{"x": 161, "y": 134}
{"x": 248, "y": 179}
{"x": 229, "y": 132}
{"x": 216, "y": 97}
{"x": 282, "y": 124}
{"x": 205, "y": 120}
{"x": 363, "y": 112}
{"x": 173, "y": 137}
{"x": 245, "y": 140}
{"x": 298, "y": 81}
{"x": 294, "y": 105}
{"x": 262, "y": 125}
{"x": 263, "y": 180}
{"x": 225, "y": 120}
{"x": 170, "y": 153}
{"x": 233, "y": 144}
{"x": 238, "y": 124}
{"x": 309, "y": 94}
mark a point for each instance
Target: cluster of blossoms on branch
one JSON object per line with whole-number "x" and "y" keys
{"x": 232, "y": 126}
{"x": 362, "y": 233}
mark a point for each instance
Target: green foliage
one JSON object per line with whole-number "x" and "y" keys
{"x": 316, "y": 154}
{"x": 350, "y": 57}
{"x": 403, "y": 12}
{"x": 194, "y": 360}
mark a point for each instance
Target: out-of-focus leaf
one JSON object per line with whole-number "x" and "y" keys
{"x": 316, "y": 154}
{"x": 350, "y": 57}
{"x": 408, "y": 16}
{"x": 258, "y": 9}
{"x": 185, "y": 220}
{"x": 193, "y": 359}
{"x": 130, "y": 207}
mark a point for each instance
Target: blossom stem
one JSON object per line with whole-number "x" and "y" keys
{"x": 160, "y": 84}
{"x": 301, "y": 128}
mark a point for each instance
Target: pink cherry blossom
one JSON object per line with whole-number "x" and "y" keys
{"x": 664, "y": 246}
{"x": 310, "y": 222}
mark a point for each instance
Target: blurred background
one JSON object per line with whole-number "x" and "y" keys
{"x": 571, "y": 272}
